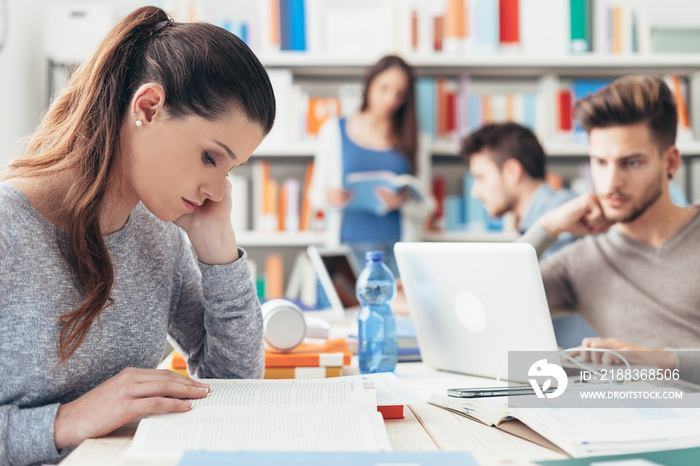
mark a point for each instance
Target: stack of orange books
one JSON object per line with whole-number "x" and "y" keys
{"x": 308, "y": 361}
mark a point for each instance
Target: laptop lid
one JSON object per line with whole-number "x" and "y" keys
{"x": 337, "y": 272}
{"x": 471, "y": 303}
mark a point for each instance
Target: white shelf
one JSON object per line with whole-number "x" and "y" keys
{"x": 502, "y": 64}
{"x": 561, "y": 149}
{"x": 298, "y": 149}
{"x": 469, "y": 237}
{"x": 275, "y": 239}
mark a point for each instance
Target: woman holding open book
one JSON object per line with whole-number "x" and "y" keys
{"x": 97, "y": 270}
{"x": 382, "y": 138}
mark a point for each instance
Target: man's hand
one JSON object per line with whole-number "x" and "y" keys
{"x": 580, "y": 216}
{"x": 634, "y": 354}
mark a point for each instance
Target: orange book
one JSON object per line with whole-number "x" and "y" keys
{"x": 320, "y": 109}
{"x": 274, "y": 276}
{"x": 302, "y": 372}
{"x": 617, "y": 14}
{"x": 327, "y": 354}
{"x": 554, "y": 180}
{"x": 683, "y": 120}
{"x": 414, "y": 30}
{"x": 456, "y": 19}
{"x": 441, "y": 107}
{"x": 282, "y": 208}
{"x": 437, "y": 33}
{"x": 305, "y": 211}
{"x": 275, "y": 22}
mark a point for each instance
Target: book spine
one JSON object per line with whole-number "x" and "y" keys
{"x": 580, "y": 14}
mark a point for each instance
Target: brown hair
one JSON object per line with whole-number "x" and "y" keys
{"x": 203, "y": 70}
{"x": 508, "y": 141}
{"x": 404, "y": 120}
{"x": 630, "y": 100}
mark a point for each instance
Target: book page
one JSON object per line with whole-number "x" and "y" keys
{"x": 163, "y": 439}
{"x": 238, "y": 397}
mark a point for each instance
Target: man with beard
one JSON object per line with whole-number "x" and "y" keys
{"x": 638, "y": 279}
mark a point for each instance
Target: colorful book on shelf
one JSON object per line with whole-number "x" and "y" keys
{"x": 580, "y": 14}
{"x": 259, "y": 415}
{"x": 363, "y": 186}
{"x": 302, "y": 372}
{"x": 332, "y": 353}
{"x": 297, "y": 458}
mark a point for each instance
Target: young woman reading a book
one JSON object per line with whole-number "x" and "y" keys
{"x": 382, "y": 136}
{"x": 96, "y": 268}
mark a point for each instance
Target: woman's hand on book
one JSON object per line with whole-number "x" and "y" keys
{"x": 123, "y": 398}
{"x": 391, "y": 199}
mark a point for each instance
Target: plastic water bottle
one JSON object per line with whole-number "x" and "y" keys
{"x": 376, "y": 323}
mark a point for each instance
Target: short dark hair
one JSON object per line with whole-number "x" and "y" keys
{"x": 508, "y": 141}
{"x": 630, "y": 100}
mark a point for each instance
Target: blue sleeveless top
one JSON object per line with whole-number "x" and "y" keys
{"x": 366, "y": 226}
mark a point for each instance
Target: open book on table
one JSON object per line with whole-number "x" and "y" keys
{"x": 582, "y": 432}
{"x": 364, "y": 185}
{"x": 266, "y": 415}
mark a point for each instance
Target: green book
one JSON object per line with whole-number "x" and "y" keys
{"x": 580, "y": 26}
{"x": 663, "y": 457}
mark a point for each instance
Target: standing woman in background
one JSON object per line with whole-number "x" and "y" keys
{"x": 383, "y": 135}
{"x": 94, "y": 271}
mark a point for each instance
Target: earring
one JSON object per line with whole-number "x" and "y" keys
{"x": 139, "y": 123}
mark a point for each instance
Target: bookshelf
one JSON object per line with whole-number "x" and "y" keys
{"x": 324, "y": 68}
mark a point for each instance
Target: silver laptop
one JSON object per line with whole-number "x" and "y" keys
{"x": 337, "y": 272}
{"x": 471, "y": 303}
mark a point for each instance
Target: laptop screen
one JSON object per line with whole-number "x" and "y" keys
{"x": 343, "y": 278}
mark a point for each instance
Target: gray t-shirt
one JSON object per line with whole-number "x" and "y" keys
{"x": 630, "y": 290}
{"x": 210, "y": 313}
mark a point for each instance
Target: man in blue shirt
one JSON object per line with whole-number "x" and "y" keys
{"x": 509, "y": 167}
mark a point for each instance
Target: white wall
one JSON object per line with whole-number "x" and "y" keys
{"x": 23, "y": 75}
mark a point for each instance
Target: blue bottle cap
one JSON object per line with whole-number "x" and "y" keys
{"x": 374, "y": 256}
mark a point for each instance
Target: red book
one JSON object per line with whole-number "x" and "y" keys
{"x": 451, "y": 99}
{"x": 509, "y": 21}
{"x": 439, "y": 192}
{"x": 565, "y": 110}
{"x": 414, "y": 30}
{"x": 437, "y": 33}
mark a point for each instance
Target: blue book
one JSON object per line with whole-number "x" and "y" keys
{"x": 272, "y": 458}
{"x": 580, "y": 88}
{"x": 529, "y": 111}
{"x": 425, "y": 100}
{"x": 486, "y": 26}
{"x": 363, "y": 186}
{"x": 454, "y": 211}
{"x": 297, "y": 25}
{"x": 285, "y": 23}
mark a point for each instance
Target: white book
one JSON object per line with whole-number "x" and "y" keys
{"x": 601, "y": 25}
{"x": 335, "y": 414}
{"x": 241, "y": 201}
{"x": 545, "y": 27}
{"x": 281, "y": 80}
{"x": 617, "y": 429}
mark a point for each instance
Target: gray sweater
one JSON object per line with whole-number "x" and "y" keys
{"x": 210, "y": 313}
{"x": 630, "y": 290}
